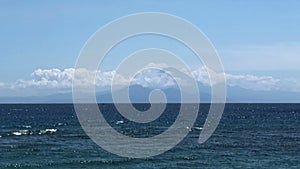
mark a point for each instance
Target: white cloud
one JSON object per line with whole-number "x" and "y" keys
{"x": 252, "y": 82}
{"x": 201, "y": 75}
{"x": 62, "y": 79}
{"x": 56, "y": 78}
{"x": 154, "y": 78}
{"x": 53, "y": 80}
{"x": 47, "y": 78}
{"x": 86, "y": 77}
{"x": 207, "y": 76}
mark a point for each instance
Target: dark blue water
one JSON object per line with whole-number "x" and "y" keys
{"x": 248, "y": 136}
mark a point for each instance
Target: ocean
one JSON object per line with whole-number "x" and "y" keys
{"x": 248, "y": 136}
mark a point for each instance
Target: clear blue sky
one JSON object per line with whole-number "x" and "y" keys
{"x": 250, "y": 36}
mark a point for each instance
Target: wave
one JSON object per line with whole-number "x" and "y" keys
{"x": 47, "y": 131}
{"x": 22, "y": 132}
{"x": 32, "y": 132}
{"x": 120, "y": 122}
{"x": 197, "y": 128}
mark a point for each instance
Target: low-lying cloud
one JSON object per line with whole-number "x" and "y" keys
{"x": 61, "y": 80}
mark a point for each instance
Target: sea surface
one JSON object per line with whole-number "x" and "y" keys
{"x": 248, "y": 136}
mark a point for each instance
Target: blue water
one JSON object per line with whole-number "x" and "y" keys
{"x": 248, "y": 136}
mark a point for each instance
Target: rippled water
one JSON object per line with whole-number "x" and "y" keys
{"x": 249, "y": 136}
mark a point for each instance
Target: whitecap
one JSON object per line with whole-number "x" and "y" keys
{"x": 47, "y": 131}
{"x": 120, "y": 122}
{"x": 20, "y": 132}
{"x": 198, "y": 128}
{"x": 16, "y": 133}
{"x": 41, "y": 132}
{"x": 51, "y": 130}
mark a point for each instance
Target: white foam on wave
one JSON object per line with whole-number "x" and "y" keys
{"x": 21, "y": 132}
{"x": 28, "y": 132}
{"x": 16, "y": 133}
{"x": 60, "y": 124}
{"x": 51, "y": 130}
{"x": 198, "y": 128}
{"x": 120, "y": 122}
{"x": 47, "y": 131}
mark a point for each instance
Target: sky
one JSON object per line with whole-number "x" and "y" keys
{"x": 258, "y": 42}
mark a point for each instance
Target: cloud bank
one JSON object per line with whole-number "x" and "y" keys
{"x": 54, "y": 80}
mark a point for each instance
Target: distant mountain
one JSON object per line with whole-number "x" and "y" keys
{"x": 140, "y": 94}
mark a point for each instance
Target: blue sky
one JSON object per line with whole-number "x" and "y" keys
{"x": 260, "y": 38}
